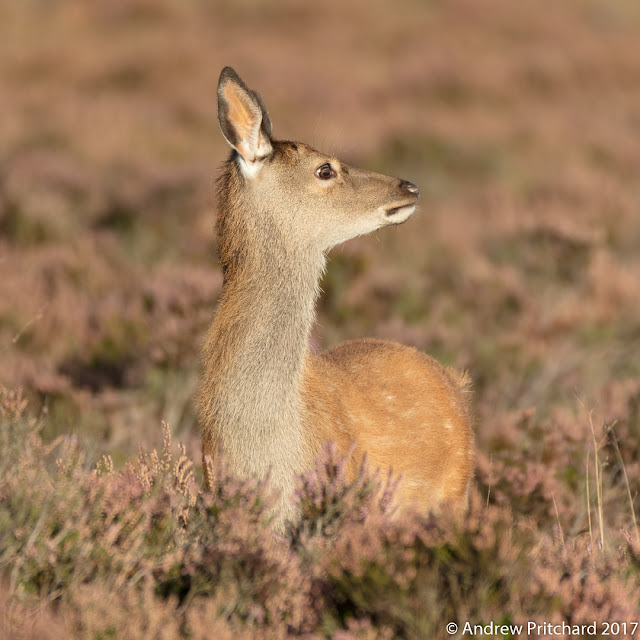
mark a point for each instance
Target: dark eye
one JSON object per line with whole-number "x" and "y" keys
{"x": 325, "y": 172}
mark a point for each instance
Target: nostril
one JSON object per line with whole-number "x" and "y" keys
{"x": 409, "y": 186}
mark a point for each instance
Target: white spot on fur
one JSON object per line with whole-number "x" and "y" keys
{"x": 420, "y": 483}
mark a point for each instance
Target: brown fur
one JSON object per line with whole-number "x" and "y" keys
{"x": 265, "y": 401}
{"x": 394, "y": 403}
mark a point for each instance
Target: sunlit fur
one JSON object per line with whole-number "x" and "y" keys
{"x": 265, "y": 401}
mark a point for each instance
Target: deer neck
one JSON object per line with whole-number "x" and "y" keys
{"x": 255, "y": 357}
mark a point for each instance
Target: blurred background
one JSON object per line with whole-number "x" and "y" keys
{"x": 520, "y": 123}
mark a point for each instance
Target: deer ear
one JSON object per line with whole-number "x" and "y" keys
{"x": 243, "y": 119}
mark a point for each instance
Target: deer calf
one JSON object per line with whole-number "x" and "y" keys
{"x": 265, "y": 402}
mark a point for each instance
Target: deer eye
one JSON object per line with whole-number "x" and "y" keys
{"x": 325, "y": 172}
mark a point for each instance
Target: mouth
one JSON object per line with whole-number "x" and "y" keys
{"x": 403, "y": 212}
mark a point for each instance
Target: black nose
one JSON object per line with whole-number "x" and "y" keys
{"x": 409, "y": 186}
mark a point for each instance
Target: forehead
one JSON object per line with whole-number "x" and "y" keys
{"x": 295, "y": 152}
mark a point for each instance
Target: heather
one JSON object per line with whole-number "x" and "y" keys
{"x": 143, "y": 552}
{"x": 519, "y": 123}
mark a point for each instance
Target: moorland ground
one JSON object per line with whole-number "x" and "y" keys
{"x": 520, "y": 124}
